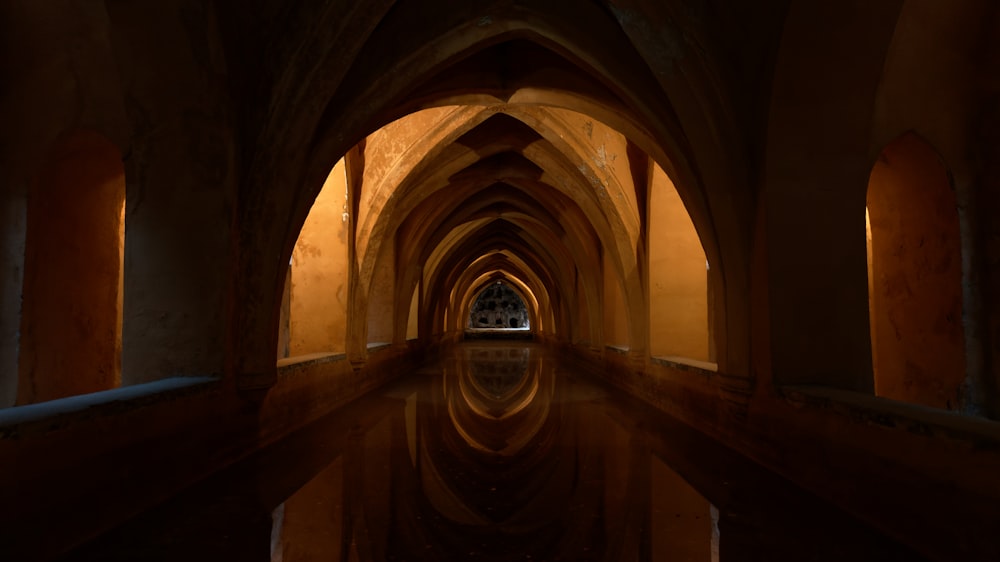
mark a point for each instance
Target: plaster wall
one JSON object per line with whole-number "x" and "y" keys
{"x": 606, "y": 166}
{"x": 678, "y": 279}
{"x": 615, "y": 312}
{"x": 70, "y": 328}
{"x": 380, "y": 303}
{"x": 918, "y": 341}
{"x": 318, "y": 300}
{"x": 181, "y": 191}
{"x": 390, "y": 154}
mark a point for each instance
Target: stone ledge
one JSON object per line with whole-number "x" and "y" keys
{"x": 16, "y": 420}
{"x": 686, "y": 364}
{"x": 298, "y": 361}
{"x": 892, "y": 414}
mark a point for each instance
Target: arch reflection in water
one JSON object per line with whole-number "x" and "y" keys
{"x": 509, "y": 459}
{"x": 497, "y": 452}
{"x": 493, "y": 399}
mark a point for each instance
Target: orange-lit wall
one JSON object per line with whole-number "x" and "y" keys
{"x": 678, "y": 280}
{"x": 380, "y": 300}
{"x": 615, "y": 313}
{"x": 318, "y": 302}
{"x": 71, "y": 316}
{"x": 915, "y": 277}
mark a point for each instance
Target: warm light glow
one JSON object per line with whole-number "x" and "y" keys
{"x": 678, "y": 277}
{"x": 317, "y": 315}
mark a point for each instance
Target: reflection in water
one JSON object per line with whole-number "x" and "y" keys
{"x": 497, "y": 453}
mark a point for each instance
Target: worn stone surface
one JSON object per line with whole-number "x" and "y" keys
{"x": 318, "y": 285}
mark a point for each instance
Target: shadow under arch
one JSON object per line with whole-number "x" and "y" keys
{"x": 808, "y": 237}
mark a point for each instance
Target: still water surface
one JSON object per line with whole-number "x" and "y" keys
{"x": 496, "y": 453}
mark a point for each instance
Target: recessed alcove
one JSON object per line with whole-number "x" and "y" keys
{"x": 915, "y": 277}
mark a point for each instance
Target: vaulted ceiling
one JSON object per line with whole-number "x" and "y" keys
{"x": 504, "y": 139}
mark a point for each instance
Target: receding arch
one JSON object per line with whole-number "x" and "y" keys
{"x": 645, "y": 119}
{"x": 71, "y": 317}
{"x": 562, "y": 160}
{"x": 515, "y": 265}
{"x": 915, "y": 277}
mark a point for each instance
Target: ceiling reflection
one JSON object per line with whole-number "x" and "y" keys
{"x": 495, "y": 453}
{"x": 498, "y": 397}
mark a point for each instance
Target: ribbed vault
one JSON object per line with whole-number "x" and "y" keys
{"x": 507, "y": 134}
{"x": 539, "y": 189}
